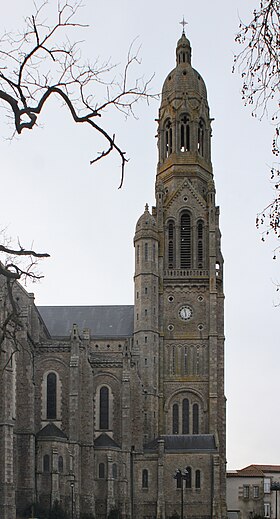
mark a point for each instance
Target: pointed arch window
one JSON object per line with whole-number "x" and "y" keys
{"x": 114, "y": 471}
{"x": 175, "y": 419}
{"x": 200, "y": 247}
{"x": 145, "y": 479}
{"x": 104, "y": 408}
{"x": 195, "y": 419}
{"x": 184, "y": 133}
{"x": 171, "y": 245}
{"x": 186, "y": 238}
{"x": 201, "y": 137}
{"x": 189, "y": 477}
{"x": 168, "y": 145}
{"x": 51, "y": 396}
{"x": 185, "y": 417}
{"x": 60, "y": 464}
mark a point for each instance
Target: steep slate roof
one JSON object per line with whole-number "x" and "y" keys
{"x": 103, "y": 321}
{"x": 105, "y": 441}
{"x": 51, "y": 431}
{"x": 184, "y": 442}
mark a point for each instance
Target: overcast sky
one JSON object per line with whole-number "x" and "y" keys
{"x": 52, "y": 199}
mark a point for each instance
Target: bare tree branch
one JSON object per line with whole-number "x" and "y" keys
{"x": 33, "y": 68}
{"x": 259, "y": 66}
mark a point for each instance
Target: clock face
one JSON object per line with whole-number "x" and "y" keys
{"x": 185, "y": 313}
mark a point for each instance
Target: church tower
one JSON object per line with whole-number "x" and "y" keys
{"x": 120, "y": 410}
{"x": 179, "y": 299}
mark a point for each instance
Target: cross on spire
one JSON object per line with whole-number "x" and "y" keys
{"x": 183, "y": 22}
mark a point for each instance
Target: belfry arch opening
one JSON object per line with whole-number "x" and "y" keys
{"x": 168, "y": 140}
{"x": 184, "y": 133}
{"x": 186, "y": 241}
{"x": 171, "y": 244}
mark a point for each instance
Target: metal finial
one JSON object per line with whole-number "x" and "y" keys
{"x": 183, "y": 22}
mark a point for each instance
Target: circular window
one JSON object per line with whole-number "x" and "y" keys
{"x": 170, "y": 299}
{"x": 200, "y": 327}
{"x": 170, "y": 327}
{"x": 185, "y": 198}
{"x": 200, "y": 298}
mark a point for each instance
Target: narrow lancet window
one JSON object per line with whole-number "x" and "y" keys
{"x": 175, "y": 419}
{"x": 185, "y": 417}
{"x": 189, "y": 478}
{"x": 145, "y": 479}
{"x": 104, "y": 408}
{"x": 195, "y": 419}
{"x": 186, "y": 257}
{"x": 60, "y": 464}
{"x": 51, "y": 396}
{"x": 184, "y": 133}
{"x": 200, "y": 138}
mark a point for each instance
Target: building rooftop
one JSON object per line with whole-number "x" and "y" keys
{"x": 102, "y": 321}
{"x": 253, "y": 471}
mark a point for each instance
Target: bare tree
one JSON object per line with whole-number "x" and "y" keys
{"x": 37, "y": 64}
{"x": 259, "y": 66}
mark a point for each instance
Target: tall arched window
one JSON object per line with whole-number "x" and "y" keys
{"x": 104, "y": 408}
{"x": 197, "y": 479}
{"x": 189, "y": 478}
{"x": 60, "y": 464}
{"x": 46, "y": 463}
{"x": 195, "y": 419}
{"x": 145, "y": 479}
{"x": 167, "y": 138}
{"x": 186, "y": 258}
{"x": 51, "y": 396}
{"x": 200, "y": 232}
{"x": 171, "y": 245}
{"x": 185, "y": 417}
{"x": 114, "y": 471}
{"x": 200, "y": 138}
{"x": 184, "y": 133}
{"x": 101, "y": 471}
{"x": 175, "y": 419}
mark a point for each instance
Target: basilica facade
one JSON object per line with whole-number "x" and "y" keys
{"x": 101, "y": 406}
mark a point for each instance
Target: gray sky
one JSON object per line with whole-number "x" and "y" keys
{"x": 53, "y": 199}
